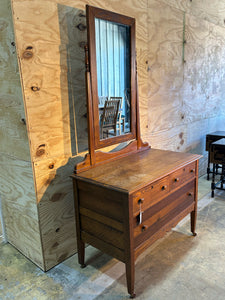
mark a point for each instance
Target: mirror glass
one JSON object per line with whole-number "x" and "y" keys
{"x": 113, "y": 62}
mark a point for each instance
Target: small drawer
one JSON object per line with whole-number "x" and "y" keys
{"x": 182, "y": 175}
{"x": 150, "y": 195}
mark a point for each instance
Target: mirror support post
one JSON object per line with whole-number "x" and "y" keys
{"x": 138, "y": 133}
{"x": 91, "y": 141}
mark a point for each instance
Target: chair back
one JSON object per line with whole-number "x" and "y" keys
{"x": 109, "y": 116}
{"x": 118, "y": 98}
{"x": 110, "y": 112}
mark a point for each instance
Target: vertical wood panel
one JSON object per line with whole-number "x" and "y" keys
{"x": 16, "y": 177}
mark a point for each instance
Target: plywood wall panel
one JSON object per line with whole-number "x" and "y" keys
{"x": 204, "y": 70}
{"x": 211, "y": 11}
{"x": 173, "y": 139}
{"x": 19, "y": 207}
{"x": 56, "y": 208}
{"x": 165, "y": 66}
{"x": 12, "y": 117}
{"x": 16, "y": 176}
{"x": 61, "y": 80}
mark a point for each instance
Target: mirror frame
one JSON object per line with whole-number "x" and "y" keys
{"x": 92, "y": 13}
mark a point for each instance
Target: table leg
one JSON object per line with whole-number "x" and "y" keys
{"x": 213, "y": 181}
{"x": 208, "y": 167}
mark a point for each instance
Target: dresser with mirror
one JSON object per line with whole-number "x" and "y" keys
{"x": 129, "y": 197}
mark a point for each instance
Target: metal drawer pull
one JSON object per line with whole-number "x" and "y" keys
{"x": 192, "y": 170}
{"x": 140, "y": 201}
{"x": 176, "y": 179}
{"x": 139, "y": 217}
{"x": 164, "y": 187}
{"x": 143, "y": 228}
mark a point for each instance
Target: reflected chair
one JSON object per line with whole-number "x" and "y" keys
{"x": 121, "y": 117}
{"x": 109, "y": 118}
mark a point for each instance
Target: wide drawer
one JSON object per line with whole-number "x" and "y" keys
{"x": 153, "y": 193}
{"x": 154, "y": 218}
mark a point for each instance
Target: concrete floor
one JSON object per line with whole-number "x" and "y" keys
{"x": 179, "y": 266}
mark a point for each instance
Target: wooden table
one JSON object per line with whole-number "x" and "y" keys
{"x": 210, "y": 138}
{"x": 124, "y": 206}
{"x": 217, "y": 157}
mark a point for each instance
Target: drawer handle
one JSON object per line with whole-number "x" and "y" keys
{"x": 140, "y": 201}
{"x": 139, "y": 218}
{"x": 189, "y": 194}
{"x": 192, "y": 170}
{"x": 143, "y": 228}
{"x": 176, "y": 179}
{"x": 164, "y": 187}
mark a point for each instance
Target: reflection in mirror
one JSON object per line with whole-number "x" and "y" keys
{"x": 113, "y": 77}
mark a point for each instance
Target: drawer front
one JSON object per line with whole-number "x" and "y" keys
{"x": 150, "y": 195}
{"x": 153, "y": 193}
{"x": 182, "y": 175}
{"x": 159, "y": 215}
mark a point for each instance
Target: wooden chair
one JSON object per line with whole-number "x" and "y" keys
{"x": 121, "y": 117}
{"x": 109, "y": 118}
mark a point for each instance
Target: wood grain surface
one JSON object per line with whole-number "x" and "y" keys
{"x": 19, "y": 207}
{"x": 148, "y": 165}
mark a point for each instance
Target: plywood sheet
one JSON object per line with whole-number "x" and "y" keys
{"x": 13, "y": 136}
{"x": 19, "y": 207}
{"x": 56, "y": 208}
{"x": 204, "y": 70}
{"x": 165, "y": 25}
{"x": 52, "y": 67}
{"x": 211, "y": 11}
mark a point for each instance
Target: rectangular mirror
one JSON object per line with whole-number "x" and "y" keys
{"x": 112, "y": 59}
{"x": 113, "y": 77}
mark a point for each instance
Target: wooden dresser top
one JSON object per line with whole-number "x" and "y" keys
{"x": 136, "y": 170}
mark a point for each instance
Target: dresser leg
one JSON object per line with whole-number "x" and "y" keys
{"x": 193, "y": 222}
{"x": 130, "y": 270}
{"x": 81, "y": 253}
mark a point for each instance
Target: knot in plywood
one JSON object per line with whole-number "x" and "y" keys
{"x": 27, "y": 54}
{"x": 40, "y": 150}
{"x": 35, "y": 88}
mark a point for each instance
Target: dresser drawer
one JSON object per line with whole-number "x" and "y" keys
{"x": 154, "y": 218}
{"x": 182, "y": 175}
{"x": 150, "y": 194}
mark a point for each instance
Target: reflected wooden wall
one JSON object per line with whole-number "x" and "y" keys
{"x": 179, "y": 102}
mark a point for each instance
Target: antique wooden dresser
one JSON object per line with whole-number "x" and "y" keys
{"x": 126, "y": 199}
{"x": 123, "y": 206}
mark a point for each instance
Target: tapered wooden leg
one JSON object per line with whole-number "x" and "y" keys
{"x": 193, "y": 222}
{"x": 130, "y": 272}
{"x": 81, "y": 253}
